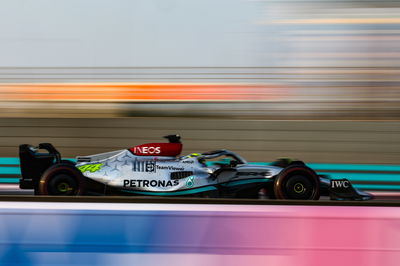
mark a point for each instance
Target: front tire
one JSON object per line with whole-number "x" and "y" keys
{"x": 62, "y": 180}
{"x": 297, "y": 182}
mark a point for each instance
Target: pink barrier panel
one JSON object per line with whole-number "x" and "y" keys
{"x": 186, "y": 234}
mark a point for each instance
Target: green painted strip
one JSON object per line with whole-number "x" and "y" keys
{"x": 341, "y": 167}
{"x": 316, "y": 166}
{"x": 377, "y": 187}
{"x": 10, "y": 170}
{"x": 174, "y": 193}
{"x": 15, "y": 160}
{"x": 346, "y": 167}
{"x": 321, "y": 168}
{"x": 365, "y": 176}
{"x": 354, "y": 167}
{"x": 9, "y": 180}
{"x": 9, "y": 160}
{"x": 260, "y": 163}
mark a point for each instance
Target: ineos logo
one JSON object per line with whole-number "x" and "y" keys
{"x": 147, "y": 150}
{"x": 340, "y": 184}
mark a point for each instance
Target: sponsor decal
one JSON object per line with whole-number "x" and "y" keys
{"x": 144, "y": 166}
{"x": 171, "y": 168}
{"x": 189, "y": 162}
{"x": 149, "y": 183}
{"x": 190, "y": 182}
{"x": 90, "y": 167}
{"x": 340, "y": 184}
{"x": 147, "y": 150}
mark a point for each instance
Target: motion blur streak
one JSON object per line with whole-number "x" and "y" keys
{"x": 301, "y": 59}
{"x": 343, "y": 21}
{"x": 140, "y": 92}
{"x": 257, "y": 92}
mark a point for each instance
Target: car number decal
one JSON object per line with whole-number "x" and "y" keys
{"x": 90, "y": 167}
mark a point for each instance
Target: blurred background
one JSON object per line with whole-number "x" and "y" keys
{"x": 311, "y": 79}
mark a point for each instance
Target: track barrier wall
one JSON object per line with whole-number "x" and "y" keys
{"x": 59, "y": 233}
{"x": 363, "y": 176}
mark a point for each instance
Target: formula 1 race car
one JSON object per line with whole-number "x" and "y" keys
{"x": 156, "y": 169}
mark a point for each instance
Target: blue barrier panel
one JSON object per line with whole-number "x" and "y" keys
{"x": 100, "y": 234}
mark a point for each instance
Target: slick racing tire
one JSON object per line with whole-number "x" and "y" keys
{"x": 297, "y": 182}
{"x": 62, "y": 179}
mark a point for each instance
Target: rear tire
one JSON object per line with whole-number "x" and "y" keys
{"x": 62, "y": 180}
{"x": 297, "y": 182}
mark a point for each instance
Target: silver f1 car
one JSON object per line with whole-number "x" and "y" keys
{"x": 157, "y": 169}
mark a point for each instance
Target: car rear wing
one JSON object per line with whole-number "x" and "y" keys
{"x": 33, "y": 163}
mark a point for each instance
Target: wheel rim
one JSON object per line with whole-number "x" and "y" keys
{"x": 299, "y": 187}
{"x": 62, "y": 185}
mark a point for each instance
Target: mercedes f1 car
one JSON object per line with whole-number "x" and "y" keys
{"x": 157, "y": 169}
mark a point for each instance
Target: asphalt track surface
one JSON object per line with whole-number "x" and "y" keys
{"x": 11, "y": 192}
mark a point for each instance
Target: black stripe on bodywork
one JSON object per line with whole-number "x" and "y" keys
{"x": 180, "y": 174}
{"x": 9, "y": 176}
